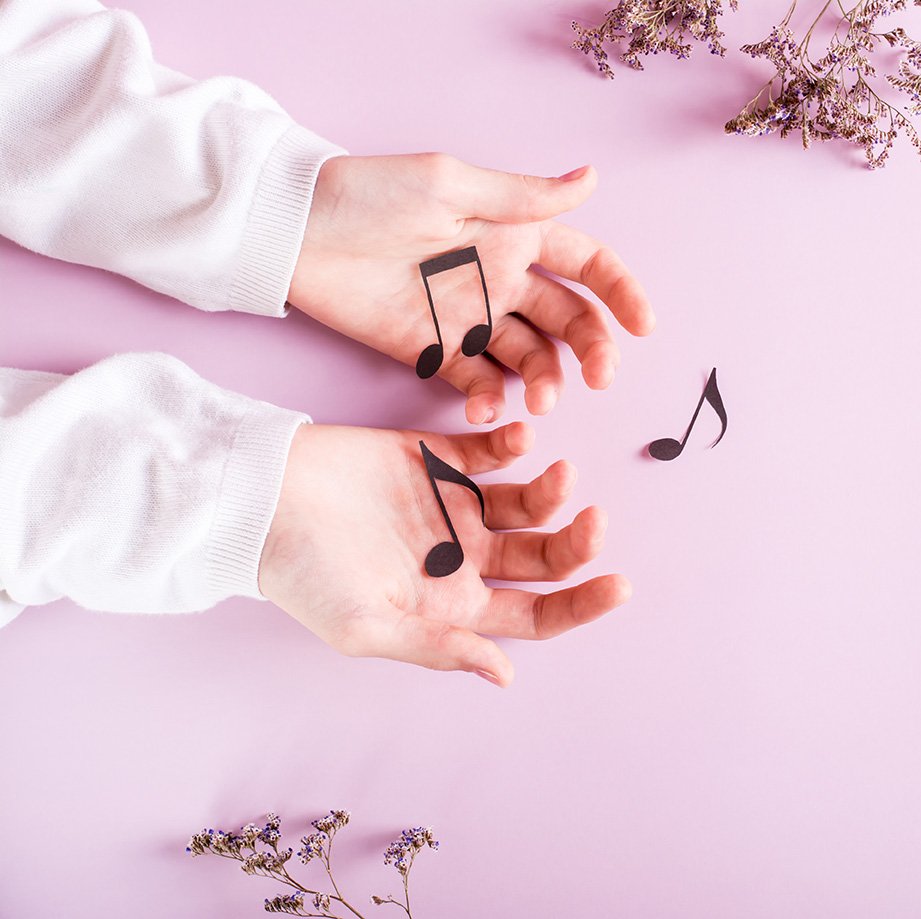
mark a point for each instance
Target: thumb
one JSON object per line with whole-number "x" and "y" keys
{"x": 507, "y": 197}
{"x": 438, "y": 646}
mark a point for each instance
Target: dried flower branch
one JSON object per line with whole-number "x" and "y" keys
{"x": 257, "y": 850}
{"x": 832, "y": 97}
{"x": 909, "y": 77}
{"x": 651, "y": 26}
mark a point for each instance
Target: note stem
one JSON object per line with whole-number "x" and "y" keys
{"x": 703, "y": 396}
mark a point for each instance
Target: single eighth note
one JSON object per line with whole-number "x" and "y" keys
{"x": 448, "y": 556}
{"x": 667, "y": 448}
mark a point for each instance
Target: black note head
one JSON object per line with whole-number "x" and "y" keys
{"x": 444, "y": 559}
{"x": 665, "y": 449}
{"x": 429, "y": 361}
{"x": 476, "y": 340}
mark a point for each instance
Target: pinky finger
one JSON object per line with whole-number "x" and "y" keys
{"x": 522, "y": 614}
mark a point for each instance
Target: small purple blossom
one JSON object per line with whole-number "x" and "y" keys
{"x": 312, "y": 847}
{"x": 401, "y": 852}
{"x": 290, "y": 903}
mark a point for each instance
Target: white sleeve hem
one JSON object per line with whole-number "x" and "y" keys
{"x": 249, "y": 495}
{"x": 277, "y": 222}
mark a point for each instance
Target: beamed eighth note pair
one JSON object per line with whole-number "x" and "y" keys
{"x": 448, "y": 556}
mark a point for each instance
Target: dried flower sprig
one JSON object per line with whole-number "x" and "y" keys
{"x": 651, "y": 26}
{"x": 257, "y": 849}
{"x": 401, "y": 853}
{"x": 909, "y": 76}
{"x": 832, "y": 97}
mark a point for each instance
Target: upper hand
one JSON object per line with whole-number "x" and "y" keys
{"x": 373, "y": 220}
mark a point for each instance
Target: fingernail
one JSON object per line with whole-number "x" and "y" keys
{"x": 574, "y": 175}
{"x": 488, "y": 676}
{"x": 489, "y": 416}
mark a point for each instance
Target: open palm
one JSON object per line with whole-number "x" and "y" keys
{"x": 358, "y": 516}
{"x": 374, "y": 220}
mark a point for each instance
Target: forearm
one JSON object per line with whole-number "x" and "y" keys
{"x": 134, "y": 486}
{"x": 200, "y": 190}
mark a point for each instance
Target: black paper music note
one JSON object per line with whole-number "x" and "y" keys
{"x": 446, "y": 557}
{"x": 668, "y": 448}
{"x": 477, "y": 338}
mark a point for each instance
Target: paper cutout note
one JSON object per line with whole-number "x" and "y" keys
{"x": 667, "y": 448}
{"x": 477, "y": 338}
{"x": 446, "y": 557}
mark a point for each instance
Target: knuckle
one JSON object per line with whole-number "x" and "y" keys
{"x": 533, "y": 360}
{"x": 591, "y": 266}
{"x": 546, "y": 553}
{"x": 442, "y": 640}
{"x": 498, "y": 551}
{"x": 526, "y": 503}
{"x": 539, "y": 618}
{"x": 534, "y": 508}
{"x": 574, "y": 325}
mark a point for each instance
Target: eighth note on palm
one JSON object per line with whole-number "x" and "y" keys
{"x": 446, "y": 557}
{"x": 477, "y": 337}
{"x": 667, "y": 448}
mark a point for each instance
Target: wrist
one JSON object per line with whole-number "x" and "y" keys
{"x": 327, "y": 193}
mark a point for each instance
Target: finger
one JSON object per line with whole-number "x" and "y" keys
{"x": 522, "y": 614}
{"x": 483, "y": 382}
{"x": 483, "y": 452}
{"x": 513, "y": 507}
{"x": 412, "y": 638}
{"x": 534, "y": 357}
{"x": 573, "y": 254}
{"x": 547, "y": 556}
{"x": 507, "y": 197}
{"x": 564, "y": 314}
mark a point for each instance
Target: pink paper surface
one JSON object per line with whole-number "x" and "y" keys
{"x": 742, "y": 740}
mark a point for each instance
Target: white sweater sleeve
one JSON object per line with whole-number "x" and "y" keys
{"x": 134, "y": 486}
{"x": 197, "y": 189}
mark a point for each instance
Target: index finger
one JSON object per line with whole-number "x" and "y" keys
{"x": 496, "y": 449}
{"x": 575, "y": 255}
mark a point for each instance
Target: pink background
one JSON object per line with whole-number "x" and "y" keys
{"x": 742, "y": 739}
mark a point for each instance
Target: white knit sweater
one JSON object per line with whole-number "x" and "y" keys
{"x": 135, "y": 485}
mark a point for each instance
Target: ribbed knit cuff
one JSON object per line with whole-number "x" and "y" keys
{"x": 277, "y": 222}
{"x": 249, "y": 495}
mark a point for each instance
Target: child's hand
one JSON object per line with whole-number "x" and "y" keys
{"x": 357, "y": 518}
{"x": 375, "y": 219}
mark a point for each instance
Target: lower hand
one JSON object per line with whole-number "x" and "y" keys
{"x": 357, "y": 517}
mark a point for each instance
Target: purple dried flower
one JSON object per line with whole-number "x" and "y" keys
{"x": 832, "y": 97}
{"x": 650, "y": 26}
{"x": 291, "y": 903}
{"x": 401, "y": 852}
{"x": 333, "y": 821}
{"x": 270, "y": 861}
{"x": 312, "y": 847}
{"x": 266, "y": 862}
